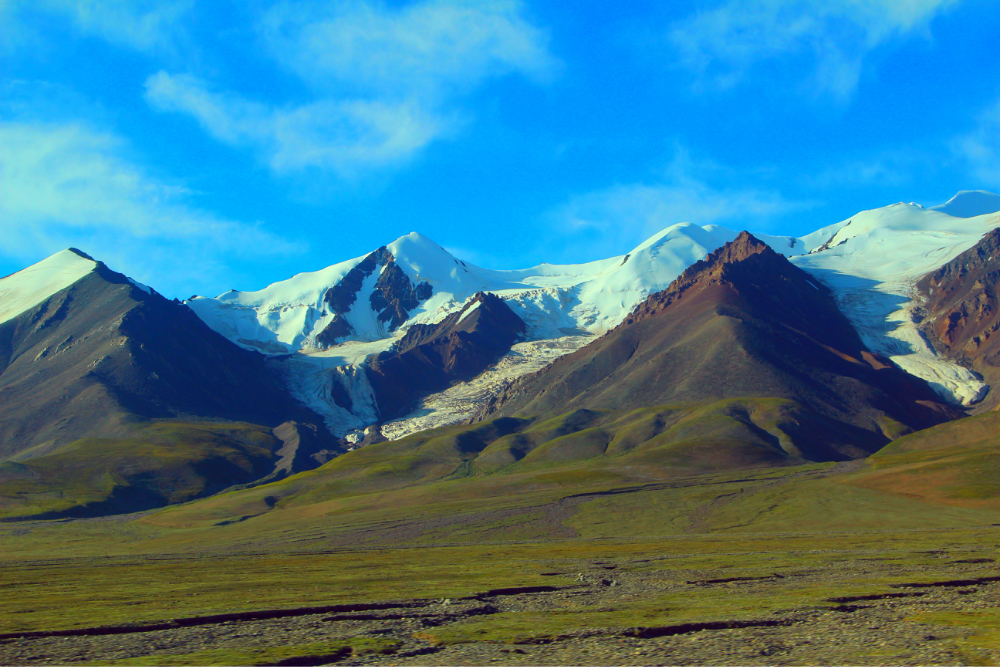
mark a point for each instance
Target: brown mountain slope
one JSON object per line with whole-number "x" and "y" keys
{"x": 744, "y": 322}
{"x": 103, "y": 355}
{"x": 962, "y": 311}
{"x": 431, "y": 357}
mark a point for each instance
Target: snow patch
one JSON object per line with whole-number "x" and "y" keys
{"x": 29, "y": 287}
{"x": 468, "y": 311}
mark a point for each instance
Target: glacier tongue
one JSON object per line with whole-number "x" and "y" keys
{"x": 336, "y": 388}
{"x": 461, "y": 401}
{"x": 873, "y": 264}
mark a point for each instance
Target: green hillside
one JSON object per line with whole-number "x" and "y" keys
{"x": 160, "y": 464}
{"x": 957, "y": 463}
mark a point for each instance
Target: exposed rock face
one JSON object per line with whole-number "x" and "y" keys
{"x": 962, "y": 310}
{"x": 342, "y": 296}
{"x": 335, "y": 331}
{"x": 103, "y": 354}
{"x": 743, "y": 322}
{"x": 392, "y": 299}
{"x": 395, "y": 296}
{"x": 430, "y": 358}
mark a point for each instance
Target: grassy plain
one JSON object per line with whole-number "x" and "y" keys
{"x": 616, "y": 542}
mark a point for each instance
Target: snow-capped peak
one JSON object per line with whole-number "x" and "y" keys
{"x": 29, "y": 287}
{"x": 425, "y": 261}
{"x": 363, "y": 299}
{"x": 970, "y": 204}
{"x": 415, "y": 280}
{"x": 338, "y": 316}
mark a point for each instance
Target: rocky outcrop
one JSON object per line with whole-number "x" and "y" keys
{"x": 392, "y": 299}
{"x": 961, "y": 310}
{"x": 304, "y": 447}
{"x": 335, "y": 331}
{"x": 394, "y": 296}
{"x": 431, "y": 358}
{"x": 743, "y": 322}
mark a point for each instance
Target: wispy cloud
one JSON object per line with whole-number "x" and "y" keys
{"x": 623, "y": 215}
{"x": 426, "y": 48}
{"x": 346, "y": 136}
{"x": 67, "y": 184}
{"x": 722, "y": 44}
{"x": 894, "y": 167}
{"x": 981, "y": 148}
{"x": 386, "y": 82}
{"x": 638, "y": 210}
{"x": 146, "y": 25}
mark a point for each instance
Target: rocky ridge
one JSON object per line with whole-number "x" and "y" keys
{"x": 430, "y": 358}
{"x": 742, "y": 322}
{"x": 960, "y": 313}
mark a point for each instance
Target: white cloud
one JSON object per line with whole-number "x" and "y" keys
{"x": 624, "y": 215}
{"x": 386, "y": 82}
{"x": 342, "y": 135}
{"x": 418, "y": 49}
{"x": 887, "y": 168}
{"x": 640, "y": 209}
{"x": 723, "y": 43}
{"x": 64, "y": 184}
{"x": 981, "y": 148}
{"x": 145, "y": 25}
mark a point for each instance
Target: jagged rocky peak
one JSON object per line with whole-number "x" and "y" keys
{"x": 392, "y": 298}
{"x": 482, "y": 312}
{"x": 743, "y": 246}
{"x": 395, "y": 296}
{"x": 342, "y": 296}
{"x": 745, "y": 261}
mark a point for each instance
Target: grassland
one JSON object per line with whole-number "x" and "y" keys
{"x": 160, "y": 463}
{"x": 811, "y": 557}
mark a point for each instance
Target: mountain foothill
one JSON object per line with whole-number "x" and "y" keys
{"x": 747, "y": 353}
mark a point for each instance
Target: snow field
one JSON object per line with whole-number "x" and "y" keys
{"x": 29, "y": 287}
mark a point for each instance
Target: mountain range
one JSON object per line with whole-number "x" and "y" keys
{"x": 702, "y": 342}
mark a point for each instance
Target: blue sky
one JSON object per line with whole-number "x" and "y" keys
{"x": 200, "y": 146}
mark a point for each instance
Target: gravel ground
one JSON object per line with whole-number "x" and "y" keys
{"x": 872, "y": 630}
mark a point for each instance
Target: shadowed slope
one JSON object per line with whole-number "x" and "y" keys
{"x": 157, "y": 465}
{"x": 102, "y": 354}
{"x": 742, "y": 322}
